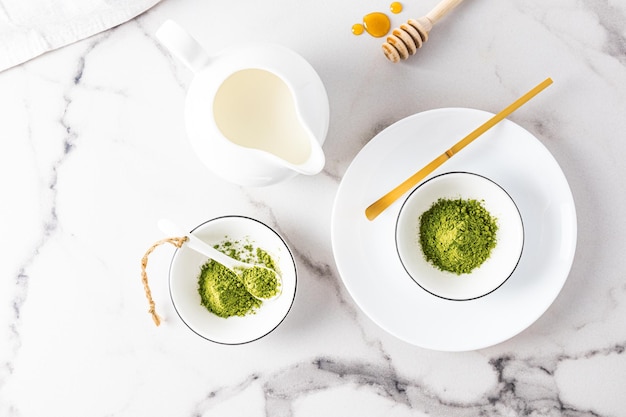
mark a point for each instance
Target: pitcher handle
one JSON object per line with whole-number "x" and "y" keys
{"x": 182, "y": 45}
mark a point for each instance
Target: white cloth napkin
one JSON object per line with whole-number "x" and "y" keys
{"x": 29, "y": 28}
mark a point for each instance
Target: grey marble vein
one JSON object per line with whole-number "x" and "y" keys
{"x": 525, "y": 387}
{"x": 49, "y": 226}
{"x": 612, "y": 19}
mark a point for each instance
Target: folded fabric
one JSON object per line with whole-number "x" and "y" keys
{"x": 29, "y": 28}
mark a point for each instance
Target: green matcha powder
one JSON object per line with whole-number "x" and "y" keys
{"x": 225, "y": 294}
{"x": 457, "y": 235}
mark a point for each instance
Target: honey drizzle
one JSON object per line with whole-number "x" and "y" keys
{"x": 377, "y": 24}
{"x": 395, "y": 7}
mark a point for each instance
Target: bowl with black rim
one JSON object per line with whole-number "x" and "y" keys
{"x": 503, "y": 258}
{"x": 184, "y": 281}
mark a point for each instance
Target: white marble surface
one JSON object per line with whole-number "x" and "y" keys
{"x": 94, "y": 152}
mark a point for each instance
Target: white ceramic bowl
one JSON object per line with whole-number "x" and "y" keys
{"x": 185, "y": 269}
{"x": 504, "y": 256}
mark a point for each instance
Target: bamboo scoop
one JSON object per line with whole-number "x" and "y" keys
{"x": 385, "y": 201}
{"x": 410, "y": 36}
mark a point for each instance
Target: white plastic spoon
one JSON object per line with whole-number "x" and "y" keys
{"x": 238, "y": 267}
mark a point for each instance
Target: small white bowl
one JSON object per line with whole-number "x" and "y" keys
{"x": 504, "y": 257}
{"x": 185, "y": 269}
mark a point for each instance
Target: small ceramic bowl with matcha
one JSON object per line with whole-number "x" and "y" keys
{"x": 217, "y": 303}
{"x": 459, "y": 236}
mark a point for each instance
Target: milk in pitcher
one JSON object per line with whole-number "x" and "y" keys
{"x": 255, "y": 108}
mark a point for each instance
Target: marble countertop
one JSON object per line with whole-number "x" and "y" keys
{"x": 94, "y": 152}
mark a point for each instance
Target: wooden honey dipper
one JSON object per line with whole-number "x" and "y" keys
{"x": 410, "y": 36}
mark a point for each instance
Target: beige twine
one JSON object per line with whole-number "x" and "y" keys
{"x": 176, "y": 241}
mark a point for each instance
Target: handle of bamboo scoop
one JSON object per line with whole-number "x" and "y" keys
{"x": 410, "y": 36}
{"x": 385, "y": 201}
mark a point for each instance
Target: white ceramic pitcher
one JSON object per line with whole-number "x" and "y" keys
{"x": 256, "y": 114}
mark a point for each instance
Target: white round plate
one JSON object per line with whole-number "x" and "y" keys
{"x": 185, "y": 269}
{"x": 365, "y": 251}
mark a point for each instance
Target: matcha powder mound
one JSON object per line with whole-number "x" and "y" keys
{"x": 260, "y": 282}
{"x": 226, "y": 294}
{"x": 457, "y": 235}
{"x": 222, "y": 293}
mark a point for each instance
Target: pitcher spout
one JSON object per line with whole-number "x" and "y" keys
{"x": 314, "y": 164}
